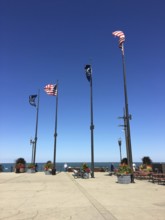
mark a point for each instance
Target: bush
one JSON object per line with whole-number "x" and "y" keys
{"x": 21, "y": 161}
{"x": 146, "y": 160}
{"x": 124, "y": 161}
{"x": 31, "y": 166}
{"x": 124, "y": 169}
{"x": 48, "y": 165}
{"x": 146, "y": 164}
{"x": 20, "y": 165}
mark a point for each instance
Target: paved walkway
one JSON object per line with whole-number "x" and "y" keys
{"x": 61, "y": 197}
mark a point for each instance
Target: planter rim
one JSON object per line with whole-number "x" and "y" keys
{"x": 129, "y": 174}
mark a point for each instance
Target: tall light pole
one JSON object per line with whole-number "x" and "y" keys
{"x": 120, "y": 142}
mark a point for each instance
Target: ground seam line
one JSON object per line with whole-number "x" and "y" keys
{"x": 101, "y": 209}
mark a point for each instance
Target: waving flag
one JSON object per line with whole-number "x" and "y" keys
{"x": 88, "y": 71}
{"x": 32, "y": 99}
{"x": 51, "y": 89}
{"x": 121, "y": 36}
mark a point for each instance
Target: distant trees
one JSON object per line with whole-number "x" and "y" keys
{"x": 146, "y": 164}
{"x": 146, "y": 160}
{"x": 20, "y": 165}
{"x": 124, "y": 161}
{"x": 21, "y": 161}
{"x": 48, "y": 166}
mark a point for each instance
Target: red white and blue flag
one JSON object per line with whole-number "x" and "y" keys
{"x": 51, "y": 89}
{"x": 121, "y": 36}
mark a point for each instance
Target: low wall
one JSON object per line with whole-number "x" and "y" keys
{"x": 96, "y": 169}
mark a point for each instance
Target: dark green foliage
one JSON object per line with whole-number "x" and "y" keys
{"x": 48, "y": 165}
{"x": 20, "y": 161}
{"x": 124, "y": 161}
{"x": 84, "y": 166}
{"x": 146, "y": 160}
{"x": 31, "y": 166}
{"x": 124, "y": 169}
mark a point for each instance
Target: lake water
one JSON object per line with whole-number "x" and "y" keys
{"x": 8, "y": 167}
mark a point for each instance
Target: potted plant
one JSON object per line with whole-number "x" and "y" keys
{"x": 124, "y": 172}
{"x": 86, "y": 170}
{"x": 20, "y": 165}
{"x": 146, "y": 165}
{"x": 48, "y": 167}
{"x": 31, "y": 168}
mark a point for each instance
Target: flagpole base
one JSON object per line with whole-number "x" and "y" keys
{"x": 53, "y": 171}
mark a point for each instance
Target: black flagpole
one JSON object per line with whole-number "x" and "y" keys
{"x": 92, "y": 130}
{"x": 127, "y": 116}
{"x": 32, "y": 142}
{"x": 35, "y": 139}
{"x": 88, "y": 70}
{"x": 126, "y": 133}
{"x": 55, "y": 135}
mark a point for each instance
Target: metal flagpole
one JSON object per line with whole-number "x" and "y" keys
{"x": 55, "y": 134}
{"x": 32, "y": 143}
{"x": 121, "y": 36}
{"x": 125, "y": 131}
{"x": 92, "y": 130}
{"x": 127, "y": 115}
{"x": 88, "y": 70}
{"x": 35, "y": 139}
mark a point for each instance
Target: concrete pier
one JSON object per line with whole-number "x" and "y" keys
{"x": 61, "y": 197}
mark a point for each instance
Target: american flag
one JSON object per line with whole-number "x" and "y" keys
{"x": 51, "y": 89}
{"x": 121, "y": 36}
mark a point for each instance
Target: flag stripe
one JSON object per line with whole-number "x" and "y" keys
{"x": 51, "y": 89}
{"x": 118, "y": 34}
{"x": 121, "y": 36}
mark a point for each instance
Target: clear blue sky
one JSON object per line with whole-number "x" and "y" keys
{"x": 42, "y": 41}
